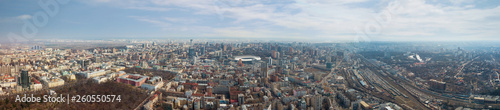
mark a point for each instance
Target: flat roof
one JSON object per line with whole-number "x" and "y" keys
{"x": 140, "y": 77}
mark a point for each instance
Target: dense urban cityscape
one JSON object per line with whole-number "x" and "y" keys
{"x": 249, "y": 54}
{"x": 194, "y": 74}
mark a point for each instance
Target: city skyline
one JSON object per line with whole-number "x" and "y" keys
{"x": 300, "y": 20}
{"x": 250, "y": 54}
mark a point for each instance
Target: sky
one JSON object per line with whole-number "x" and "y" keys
{"x": 288, "y": 20}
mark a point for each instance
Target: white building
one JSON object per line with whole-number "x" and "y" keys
{"x": 94, "y": 74}
{"x": 153, "y": 84}
{"x": 8, "y": 84}
{"x": 100, "y": 79}
{"x": 36, "y": 86}
{"x": 52, "y": 82}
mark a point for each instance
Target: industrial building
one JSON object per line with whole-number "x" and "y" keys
{"x": 437, "y": 85}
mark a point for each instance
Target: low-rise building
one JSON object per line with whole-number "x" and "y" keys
{"x": 94, "y": 74}
{"x": 36, "y": 85}
{"x": 153, "y": 84}
{"x": 100, "y": 79}
{"x": 52, "y": 82}
{"x": 133, "y": 79}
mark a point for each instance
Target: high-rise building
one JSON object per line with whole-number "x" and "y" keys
{"x": 202, "y": 50}
{"x": 144, "y": 64}
{"x": 36, "y": 47}
{"x": 84, "y": 64}
{"x": 241, "y": 99}
{"x": 97, "y": 59}
{"x": 192, "y": 52}
{"x": 6, "y": 69}
{"x": 24, "y": 79}
{"x": 344, "y": 101}
{"x": 329, "y": 65}
{"x": 263, "y": 69}
{"x": 303, "y": 105}
{"x": 274, "y": 54}
{"x": 270, "y": 61}
{"x": 277, "y": 55}
{"x": 317, "y": 102}
{"x": 209, "y": 90}
{"x": 194, "y": 60}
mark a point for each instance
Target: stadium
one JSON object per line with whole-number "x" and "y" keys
{"x": 247, "y": 58}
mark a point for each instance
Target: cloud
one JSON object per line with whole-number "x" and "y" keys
{"x": 102, "y": 0}
{"x": 154, "y": 21}
{"x": 331, "y": 19}
{"x": 24, "y": 17}
{"x": 15, "y": 19}
{"x": 181, "y": 20}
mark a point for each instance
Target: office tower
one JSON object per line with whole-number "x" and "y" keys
{"x": 202, "y": 50}
{"x": 274, "y": 54}
{"x": 270, "y": 62}
{"x": 224, "y": 47}
{"x": 192, "y": 52}
{"x": 195, "y": 60}
{"x": 263, "y": 69}
{"x": 24, "y": 79}
{"x": 84, "y": 64}
{"x": 36, "y": 47}
{"x": 277, "y": 55}
{"x": 329, "y": 65}
{"x": 241, "y": 99}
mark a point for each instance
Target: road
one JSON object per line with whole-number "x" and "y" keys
{"x": 330, "y": 74}
{"x": 463, "y": 66}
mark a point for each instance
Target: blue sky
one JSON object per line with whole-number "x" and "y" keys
{"x": 297, "y": 20}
